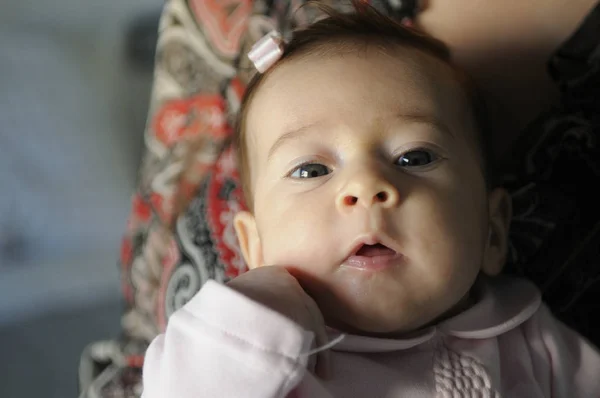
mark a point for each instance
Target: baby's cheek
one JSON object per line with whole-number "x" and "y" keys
{"x": 299, "y": 244}
{"x": 439, "y": 239}
{"x": 293, "y": 231}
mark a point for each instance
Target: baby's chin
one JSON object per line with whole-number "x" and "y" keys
{"x": 366, "y": 314}
{"x": 385, "y": 327}
{"x": 371, "y": 329}
{"x": 405, "y": 322}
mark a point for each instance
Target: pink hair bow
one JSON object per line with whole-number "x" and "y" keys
{"x": 265, "y": 52}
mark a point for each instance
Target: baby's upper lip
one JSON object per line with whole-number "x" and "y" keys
{"x": 372, "y": 239}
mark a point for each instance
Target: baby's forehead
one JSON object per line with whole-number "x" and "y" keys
{"x": 328, "y": 85}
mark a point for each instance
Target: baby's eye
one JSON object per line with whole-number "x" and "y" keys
{"x": 416, "y": 158}
{"x": 310, "y": 170}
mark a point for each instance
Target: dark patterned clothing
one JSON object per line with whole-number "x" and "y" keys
{"x": 555, "y": 235}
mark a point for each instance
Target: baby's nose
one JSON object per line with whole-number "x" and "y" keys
{"x": 368, "y": 191}
{"x": 379, "y": 197}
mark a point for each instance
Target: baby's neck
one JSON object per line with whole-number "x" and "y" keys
{"x": 464, "y": 304}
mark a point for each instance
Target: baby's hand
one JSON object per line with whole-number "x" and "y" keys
{"x": 275, "y": 288}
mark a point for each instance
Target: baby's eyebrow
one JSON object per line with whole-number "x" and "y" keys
{"x": 290, "y": 135}
{"x": 296, "y": 133}
{"x": 426, "y": 119}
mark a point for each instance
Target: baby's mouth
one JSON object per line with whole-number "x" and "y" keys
{"x": 374, "y": 257}
{"x": 375, "y": 250}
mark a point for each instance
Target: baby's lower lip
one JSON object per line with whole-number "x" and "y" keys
{"x": 374, "y": 263}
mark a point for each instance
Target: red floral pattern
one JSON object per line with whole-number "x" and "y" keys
{"x": 224, "y": 22}
{"x": 186, "y": 118}
{"x": 224, "y": 199}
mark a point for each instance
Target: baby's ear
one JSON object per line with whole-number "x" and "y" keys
{"x": 500, "y": 211}
{"x": 247, "y": 233}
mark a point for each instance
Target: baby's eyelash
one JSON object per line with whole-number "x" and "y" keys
{"x": 319, "y": 170}
{"x": 417, "y": 158}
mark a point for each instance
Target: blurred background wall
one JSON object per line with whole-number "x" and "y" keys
{"x": 75, "y": 80}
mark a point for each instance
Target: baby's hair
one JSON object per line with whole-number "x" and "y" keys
{"x": 365, "y": 26}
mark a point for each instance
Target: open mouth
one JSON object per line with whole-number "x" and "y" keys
{"x": 375, "y": 250}
{"x": 372, "y": 255}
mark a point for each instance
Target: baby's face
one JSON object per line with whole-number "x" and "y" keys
{"x": 366, "y": 179}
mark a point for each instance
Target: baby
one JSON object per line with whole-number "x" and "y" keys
{"x": 374, "y": 239}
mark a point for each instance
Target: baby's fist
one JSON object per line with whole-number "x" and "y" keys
{"x": 275, "y": 288}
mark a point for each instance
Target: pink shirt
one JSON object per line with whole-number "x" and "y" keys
{"x": 222, "y": 344}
